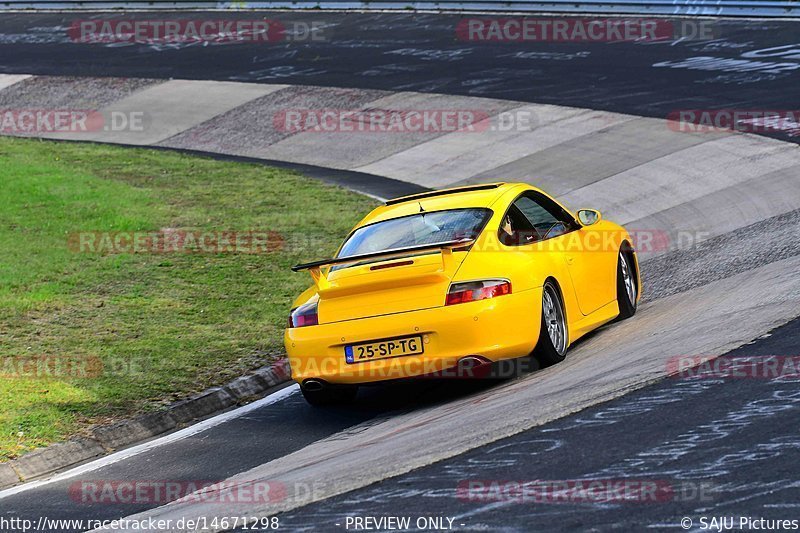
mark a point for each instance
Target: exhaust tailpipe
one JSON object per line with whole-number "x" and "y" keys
{"x": 472, "y": 361}
{"x": 473, "y": 366}
{"x": 313, "y": 385}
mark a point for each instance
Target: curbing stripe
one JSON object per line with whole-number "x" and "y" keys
{"x": 132, "y": 431}
{"x": 207, "y": 402}
{"x": 55, "y": 456}
{"x": 8, "y": 476}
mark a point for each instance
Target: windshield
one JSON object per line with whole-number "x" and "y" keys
{"x": 415, "y": 230}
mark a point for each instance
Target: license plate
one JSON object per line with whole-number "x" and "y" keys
{"x": 371, "y": 351}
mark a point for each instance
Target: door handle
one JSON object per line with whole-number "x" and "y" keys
{"x": 570, "y": 259}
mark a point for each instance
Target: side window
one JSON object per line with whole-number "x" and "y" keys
{"x": 534, "y": 217}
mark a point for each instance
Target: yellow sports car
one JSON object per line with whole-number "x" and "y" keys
{"x": 450, "y": 280}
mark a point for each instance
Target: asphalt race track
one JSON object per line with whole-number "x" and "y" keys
{"x": 241, "y": 443}
{"x": 716, "y": 446}
{"x": 406, "y": 52}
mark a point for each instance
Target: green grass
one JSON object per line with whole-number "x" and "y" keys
{"x": 163, "y": 325}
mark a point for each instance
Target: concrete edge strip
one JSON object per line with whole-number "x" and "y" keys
{"x": 107, "y": 439}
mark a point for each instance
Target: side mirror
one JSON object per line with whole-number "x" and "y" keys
{"x": 589, "y": 216}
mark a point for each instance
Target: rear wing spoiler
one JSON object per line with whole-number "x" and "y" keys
{"x": 315, "y": 267}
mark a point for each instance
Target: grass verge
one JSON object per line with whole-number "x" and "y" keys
{"x": 86, "y": 337}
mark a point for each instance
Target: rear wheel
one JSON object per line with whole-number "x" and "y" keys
{"x": 552, "y": 345}
{"x": 627, "y": 290}
{"x": 330, "y": 395}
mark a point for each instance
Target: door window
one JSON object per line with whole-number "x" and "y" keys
{"x": 534, "y": 217}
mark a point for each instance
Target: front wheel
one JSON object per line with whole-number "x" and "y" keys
{"x": 552, "y": 345}
{"x": 627, "y": 290}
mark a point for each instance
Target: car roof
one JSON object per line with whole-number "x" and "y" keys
{"x": 483, "y": 195}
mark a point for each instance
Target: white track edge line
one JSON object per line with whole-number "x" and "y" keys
{"x": 161, "y": 441}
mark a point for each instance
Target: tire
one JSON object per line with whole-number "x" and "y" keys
{"x": 553, "y": 335}
{"x": 330, "y": 395}
{"x": 627, "y": 288}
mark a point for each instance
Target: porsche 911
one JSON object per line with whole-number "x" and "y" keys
{"x": 457, "y": 279}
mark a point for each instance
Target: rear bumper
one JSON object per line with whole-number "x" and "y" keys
{"x": 499, "y": 328}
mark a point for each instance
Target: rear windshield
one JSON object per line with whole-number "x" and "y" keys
{"x": 414, "y": 230}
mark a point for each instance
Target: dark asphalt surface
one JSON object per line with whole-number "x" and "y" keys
{"x": 714, "y": 446}
{"x": 232, "y": 447}
{"x": 748, "y": 65}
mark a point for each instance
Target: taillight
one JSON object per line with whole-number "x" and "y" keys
{"x": 305, "y": 315}
{"x": 472, "y": 291}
